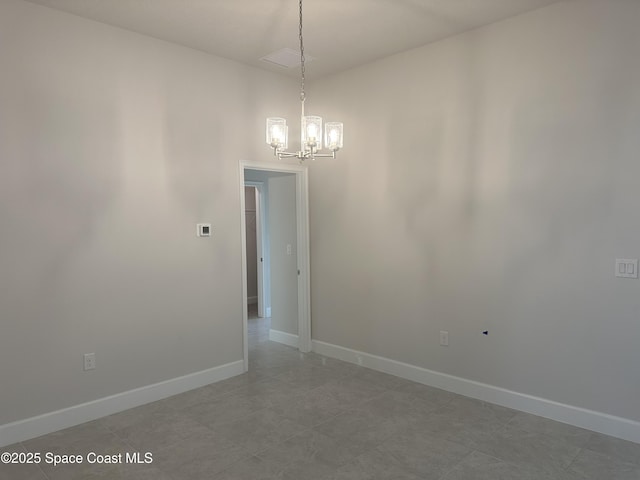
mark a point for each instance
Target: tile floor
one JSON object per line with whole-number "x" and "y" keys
{"x": 305, "y": 417}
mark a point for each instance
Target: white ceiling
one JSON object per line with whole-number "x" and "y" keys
{"x": 338, "y": 34}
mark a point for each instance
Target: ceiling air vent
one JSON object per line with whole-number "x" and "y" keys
{"x": 285, "y": 58}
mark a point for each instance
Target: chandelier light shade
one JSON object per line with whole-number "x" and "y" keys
{"x": 311, "y": 133}
{"x": 333, "y": 135}
{"x": 277, "y": 133}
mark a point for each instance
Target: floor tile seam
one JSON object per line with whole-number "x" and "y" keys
{"x": 179, "y": 467}
{"x": 316, "y": 425}
{"x": 633, "y": 463}
{"x": 520, "y": 465}
{"x": 282, "y": 466}
{"x": 460, "y": 462}
{"x": 213, "y": 397}
{"x": 548, "y": 436}
{"x": 550, "y": 421}
{"x": 346, "y": 406}
{"x": 211, "y": 427}
{"x": 47, "y": 477}
{"x": 525, "y": 464}
{"x": 302, "y": 392}
{"x": 513, "y": 415}
{"x": 237, "y": 462}
{"x": 348, "y": 438}
{"x": 44, "y": 473}
{"x": 370, "y": 399}
{"x": 436, "y": 436}
{"x": 568, "y": 468}
{"x": 280, "y": 417}
{"x": 375, "y": 383}
{"x": 440, "y": 409}
{"x": 75, "y": 442}
{"x": 314, "y": 370}
{"x": 125, "y": 442}
{"x": 259, "y": 452}
{"x": 501, "y": 427}
{"x": 135, "y": 423}
{"x": 224, "y": 397}
{"x": 107, "y": 427}
{"x": 168, "y": 446}
{"x": 419, "y": 398}
{"x": 395, "y": 463}
{"x": 358, "y": 410}
{"x": 551, "y": 435}
{"x": 245, "y": 389}
{"x": 332, "y": 417}
{"x": 503, "y": 423}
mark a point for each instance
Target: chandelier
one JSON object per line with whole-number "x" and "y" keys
{"x": 310, "y": 126}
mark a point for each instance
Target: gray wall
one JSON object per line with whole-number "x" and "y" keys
{"x": 488, "y": 182}
{"x": 112, "y": 147}
{"x": 284, "y": 267}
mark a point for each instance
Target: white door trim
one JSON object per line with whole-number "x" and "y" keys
{"x": 302, "y": 226}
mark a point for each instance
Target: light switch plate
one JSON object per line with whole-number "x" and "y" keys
{"x": 627, "y": 267}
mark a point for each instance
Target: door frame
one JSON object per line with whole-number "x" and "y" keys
{"x": 303, "y": 251}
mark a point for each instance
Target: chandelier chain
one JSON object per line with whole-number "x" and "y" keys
{"x": 302, "y": 69}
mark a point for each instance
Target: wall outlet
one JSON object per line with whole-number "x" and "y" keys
{"x": 89, "y": 361}
{"x": 444, "y": 338}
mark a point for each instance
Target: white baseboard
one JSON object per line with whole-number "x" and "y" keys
{"x": 283, "y": 337}
{"x": 580, "y": 417}
{"x": 252, "y": 300}
{"x": 68, "y": 417}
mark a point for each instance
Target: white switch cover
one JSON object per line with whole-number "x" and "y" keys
{"x": 289, "y": 249}
{"x": 627, "y": 267}
{"x": 444, "y": 338}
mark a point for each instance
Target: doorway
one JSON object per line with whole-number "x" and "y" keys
{"x": 285, "y": 251}
{"x": 258, "y": 260}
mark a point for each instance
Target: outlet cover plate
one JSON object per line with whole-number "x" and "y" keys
{"x": 89, "y": 361}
